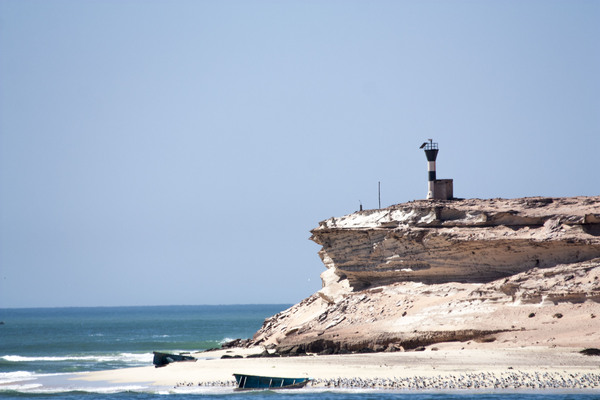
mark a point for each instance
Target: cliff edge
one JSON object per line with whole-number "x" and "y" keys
{"x": 513, "y": 271}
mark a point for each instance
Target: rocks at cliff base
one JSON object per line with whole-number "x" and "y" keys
{"x": 236, "y": 343}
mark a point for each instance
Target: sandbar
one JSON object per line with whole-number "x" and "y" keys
{"x": 444, "y": 366}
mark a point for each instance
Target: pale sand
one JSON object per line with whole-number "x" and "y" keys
{"x": 451, "y": 359}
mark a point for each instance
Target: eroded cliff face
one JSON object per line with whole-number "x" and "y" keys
{"x": 472, "y": 241}
{"x": 431, "y": 271}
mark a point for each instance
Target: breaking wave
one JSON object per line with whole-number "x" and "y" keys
{"x": 120, "y": 357}
{"x": 225, "y": 340}
{"x": 16, "y": 376}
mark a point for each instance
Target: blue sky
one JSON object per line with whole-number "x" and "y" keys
{"x": 179, "y": 152}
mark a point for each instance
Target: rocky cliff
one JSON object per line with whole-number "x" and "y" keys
{"x": 514, "y": 271}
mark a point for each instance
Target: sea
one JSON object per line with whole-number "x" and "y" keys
{"x": 41, "y": 347}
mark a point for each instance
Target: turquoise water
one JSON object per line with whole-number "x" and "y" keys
{"x": 40, "y": 347}
{"x": 59, "y": 340}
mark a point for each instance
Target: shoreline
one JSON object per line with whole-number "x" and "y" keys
{"x": 450, "y": 367}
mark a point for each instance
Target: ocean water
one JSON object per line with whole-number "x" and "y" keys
{"x": 39, "y": 344}
{"x": 40, "y": 347}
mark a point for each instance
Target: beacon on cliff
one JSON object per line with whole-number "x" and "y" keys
{"x": 437, "y": 189}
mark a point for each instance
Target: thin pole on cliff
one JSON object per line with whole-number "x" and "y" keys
{"x": 379, "y": 193}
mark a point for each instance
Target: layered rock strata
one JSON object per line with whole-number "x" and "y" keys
{"x": 458, "y": 241}
{"x": 518, "y": 271}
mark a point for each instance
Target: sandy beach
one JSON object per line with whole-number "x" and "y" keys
{"x": 447, "y": 366}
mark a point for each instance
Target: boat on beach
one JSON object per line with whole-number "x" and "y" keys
{"x": 162, "y": 359}
{"x": 253, "y": 382}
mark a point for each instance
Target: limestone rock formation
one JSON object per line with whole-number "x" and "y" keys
{"x": 519, "y": 271}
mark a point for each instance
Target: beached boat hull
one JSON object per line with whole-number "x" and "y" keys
{"x": 162, "y": 359}
{"x": 255, "y": 382}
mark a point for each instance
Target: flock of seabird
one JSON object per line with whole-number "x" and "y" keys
{"x": 483, "y": 380}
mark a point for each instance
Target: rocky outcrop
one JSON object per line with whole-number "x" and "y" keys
{"x": 458, "y": 241}
{"x": 426, "y": 272}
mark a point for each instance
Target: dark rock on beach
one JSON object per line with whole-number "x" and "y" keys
{"x": 590, "y": 352}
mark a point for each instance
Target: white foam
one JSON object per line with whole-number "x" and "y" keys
{"x": 23, "y": 381}
{"x": 20, "y": 388}
{"x": 115, "y": 389}
{"x": 16, "y": 376}
{"x": 29, "y": 382}
{"x": 199, "y": 390}
{"x": 124, "y": 357}
{"x": 40, "y": 389}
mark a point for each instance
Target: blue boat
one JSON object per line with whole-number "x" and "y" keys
{"x": 253, "y": 382}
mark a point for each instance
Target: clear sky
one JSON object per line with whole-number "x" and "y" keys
{"x": 179, "y": 152}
